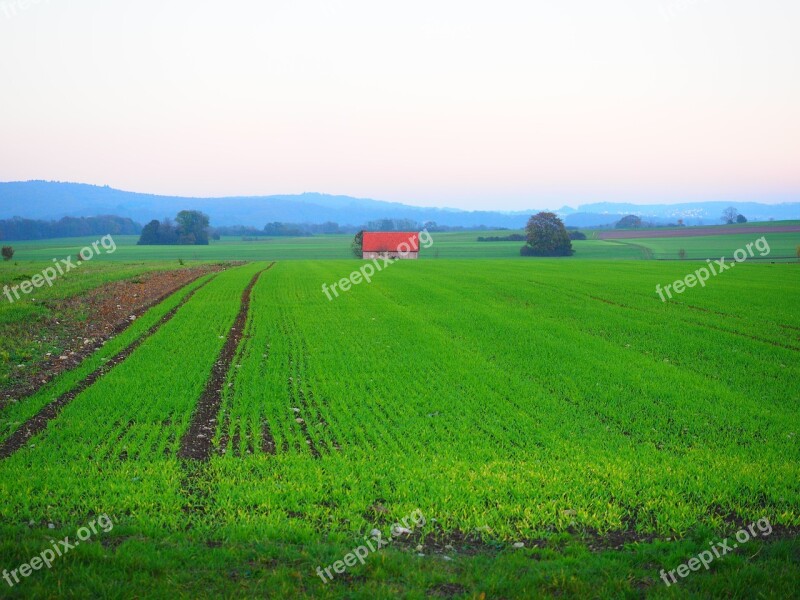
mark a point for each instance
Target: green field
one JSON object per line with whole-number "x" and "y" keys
{"x": 554, "y": 403}
{"x": 782, "y": 246}
{"x": 445, "y": 246}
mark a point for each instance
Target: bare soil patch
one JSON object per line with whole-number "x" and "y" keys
{"x": 110, "y": 308}
{"x": 39, "y": 422}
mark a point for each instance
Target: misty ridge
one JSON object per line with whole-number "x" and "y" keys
{"x": 52, "y": 201}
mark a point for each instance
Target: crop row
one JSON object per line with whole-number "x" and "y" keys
{"x": 17, "y": 413}
{"x": 512, "y": 398}
{"x": 113, "y": 448}
{"x": 519, "y": 397}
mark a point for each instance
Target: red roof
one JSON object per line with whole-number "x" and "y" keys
{"x": 390, "y": 241}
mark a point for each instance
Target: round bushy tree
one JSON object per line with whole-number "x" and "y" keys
{"x": 546, "y": 236}
{"x": 629, "y": 222}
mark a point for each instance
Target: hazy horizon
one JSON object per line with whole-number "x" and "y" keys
{"x": 540, "y": 206}
{"x": 524, "y": 105}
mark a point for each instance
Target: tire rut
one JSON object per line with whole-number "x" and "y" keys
{"x": 197, "y": 442}
{"x": 39, "y": 422}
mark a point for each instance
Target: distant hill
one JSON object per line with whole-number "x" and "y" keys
{"x": 51, "y": 201}
{"x": 692, "y": 213}
{"x": 54, "y": 200}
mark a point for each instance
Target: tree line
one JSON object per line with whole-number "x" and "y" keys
{"x": 190, "y": 229}
{"x": 17, "y": 229}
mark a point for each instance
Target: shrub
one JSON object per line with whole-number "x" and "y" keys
{"x": 682, "y": 254}
{"x": 8, "y": 252}
{"x": 577, "y": 235}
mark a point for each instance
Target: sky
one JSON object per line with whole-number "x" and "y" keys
{"x": 502, "y": 105}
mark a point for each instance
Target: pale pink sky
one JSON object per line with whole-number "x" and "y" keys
{"x": 501, "y": 105}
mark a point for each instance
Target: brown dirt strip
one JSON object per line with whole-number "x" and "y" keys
{"x": 39, "y": 422}
{"x": 226, "y": 427}
{"x": 472, "y": 544}
{"x": 111, "y": 308}
{"x": 267, "y": 441}
{"x": 693, "y": 232}
{"x": 197, "y": 441}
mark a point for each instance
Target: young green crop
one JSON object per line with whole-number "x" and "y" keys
{"x": 514, "y": 400}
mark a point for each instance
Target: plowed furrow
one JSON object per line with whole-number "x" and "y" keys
{"x": 38, "y": 423}
{"x": 196, "y": 443}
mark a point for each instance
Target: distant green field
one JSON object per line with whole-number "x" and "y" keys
{"x": 324, "y": 247}
{"x": 781, "y": 245}
{"x": 593, "y": 232}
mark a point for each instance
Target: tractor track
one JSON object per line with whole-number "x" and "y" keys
{"x": 197, "y": 442}
{"x": 38, "y": 423}
{"x": 105, "y": 304}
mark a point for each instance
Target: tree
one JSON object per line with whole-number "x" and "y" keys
{"x": 629, "y": 222}
{"x": 8, "y": 252}
{"x": 167, "y": 233}
{"x": 741, "y": 219}
{"x": 577, "y": 235}
{"x": 329, "y": 227}
{"x": 729, "y": 215}
{"x": 149, "y": 235}
{"x": 357, "y": 244}
{"x": 193, "y": 227}
{"x": 682, "y": 254}
{"x": 546, "y": 236}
